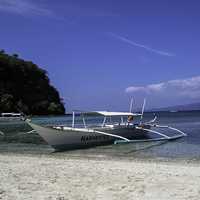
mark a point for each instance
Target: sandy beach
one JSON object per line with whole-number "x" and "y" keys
{"x": 60, "y": 178}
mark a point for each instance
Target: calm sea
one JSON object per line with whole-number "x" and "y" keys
{"x": 16, "y": 140}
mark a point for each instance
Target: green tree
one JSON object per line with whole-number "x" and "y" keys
{"x": 7, "y": 103}
{"x": 54, "y": 108}
{"x": 15, "y": 55}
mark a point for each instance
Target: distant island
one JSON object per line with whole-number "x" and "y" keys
{"x": 186, "y": 107}
{"x": 25, "y": 87}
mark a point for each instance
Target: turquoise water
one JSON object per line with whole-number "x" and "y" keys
{"x": 16, "y": 140}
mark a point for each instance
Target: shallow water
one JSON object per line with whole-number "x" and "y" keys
{"x": 187, "y": 148}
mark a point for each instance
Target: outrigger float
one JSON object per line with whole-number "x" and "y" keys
{"x": 63, "y": 137}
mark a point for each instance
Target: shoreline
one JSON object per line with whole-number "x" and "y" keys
{"x": 102, "y": 157}
{"x": 44, "y": 150}
{"x": 33, "y": 176}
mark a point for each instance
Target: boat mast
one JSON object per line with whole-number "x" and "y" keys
{"x": 131, "y": 105}
{"x": 73, "y": 119}
{"x": 143, "y": 107}
{"x": 83, "y": 118}
{"x": 104, "y": 121}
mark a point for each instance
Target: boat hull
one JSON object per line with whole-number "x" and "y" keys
{"x": 74, "y": 138}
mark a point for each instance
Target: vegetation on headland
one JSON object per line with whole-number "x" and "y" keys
{"x": 25, "y": 87}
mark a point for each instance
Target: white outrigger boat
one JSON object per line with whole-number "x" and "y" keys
{"x": 6, "y": 117}
{"x": 108, "y": 132}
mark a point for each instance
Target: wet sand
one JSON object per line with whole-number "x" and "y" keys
{"x": 52, "y": 177}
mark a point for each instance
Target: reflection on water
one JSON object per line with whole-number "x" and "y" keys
{"x": 17, "y": 141}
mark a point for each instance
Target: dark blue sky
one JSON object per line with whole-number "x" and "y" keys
{"x": 100, "y": 53}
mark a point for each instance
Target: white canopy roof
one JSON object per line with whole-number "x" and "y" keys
{"x": 108, "y": 114}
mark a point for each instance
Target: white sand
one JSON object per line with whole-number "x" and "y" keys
{"x": 50, "y": 177}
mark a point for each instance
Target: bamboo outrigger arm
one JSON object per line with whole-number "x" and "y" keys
{"x": 163, "y": 136}
{"x": 152, "y": 131}
{"x": 1, "y": 133}
{"x": 29, "y": 132}
{"x": 172, "y": 128}
{"x": 182, "y": 134}
{"x": 113, "y": 135}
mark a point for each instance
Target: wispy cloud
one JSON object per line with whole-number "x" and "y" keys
{"x": 71, "y": 12}
{"x": 147, "y": 48}
{"x": 24, "y": 8}
{"x": 187, "y": 88}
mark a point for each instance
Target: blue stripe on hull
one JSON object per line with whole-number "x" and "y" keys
{"x": 65, "y": 147}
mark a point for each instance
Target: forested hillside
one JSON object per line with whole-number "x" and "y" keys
{"x": 25, "y": 87}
